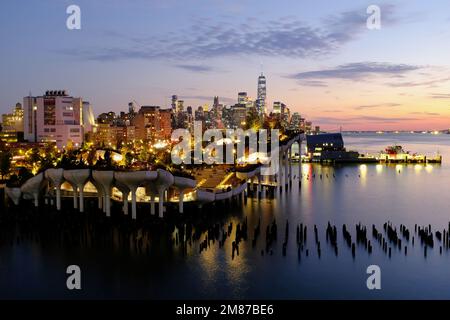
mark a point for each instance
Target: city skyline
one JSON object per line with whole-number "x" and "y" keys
{"x": 319, "y": 59}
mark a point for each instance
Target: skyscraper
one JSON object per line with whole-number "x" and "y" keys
{"x": 261, "y": 102}
{"x": 242, "y": 97}
{"x": 174, "y": 103}
{"x": 216, "y": 102}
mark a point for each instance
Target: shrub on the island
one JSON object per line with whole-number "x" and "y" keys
{"x": 17, "y": 180}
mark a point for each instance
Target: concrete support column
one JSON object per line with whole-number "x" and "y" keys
{"x": 281, "y": 175}
{"x": 108, "y": 202}
{"x": 36, "y": 199}
{"x": 290, "y": 165}
{"x": 152, "y": 204}
{"x": 75, "y": 197}
{"x": 125, "y": 203}
{"x": 58, "y": 197}
{"x": 259, "y": 186}
{"x": 81, "y": 187}
{"x": 103, "y": 202}
{"x": 133, "y": 203}
{"x": 180, "y": 203}
{"x": 99, "y": 199}
{"x": 55, "y": 178}
{"x": 161, "y": 203}
{"x": 300, "y": 164}
{"x": 286, "y": 170}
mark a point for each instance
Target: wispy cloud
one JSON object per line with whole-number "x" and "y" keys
{"x": 426, "y": 83}
{"x": 425, "y": 113}
{"x": 285, "y": 36}
{"x": 195, "y": 68}
{"x": 355, "y": 71}
{"x": 440, "y": 96}
{"x": 377, "y": 106}
{"x": 331, "y": 111}
{"x": 313, "y": 83}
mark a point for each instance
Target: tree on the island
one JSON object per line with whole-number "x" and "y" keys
{"x": 144, "y": 154}
{"x": 272, "y": 122}
{"x": 91, "y": 156}
{"x": 105, "y": 162}
{"x": 68, "y": 160}
{"x": 108, "y": 159}
{"x": 5, "y": 163}
{"x": 35, "y": 155}
{"x": 253, "y": 120}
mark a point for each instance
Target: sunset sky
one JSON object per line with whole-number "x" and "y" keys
{"x": 318, "y": 56}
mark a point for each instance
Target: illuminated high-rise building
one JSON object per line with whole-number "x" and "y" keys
{"x": 261, "y": 98}
{"x": 242, "y": 97}
{"x": 174, "y": 103}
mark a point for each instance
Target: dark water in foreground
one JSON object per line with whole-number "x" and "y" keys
{"x": 370, "y": 194}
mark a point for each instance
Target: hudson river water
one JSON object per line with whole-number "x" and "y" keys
{"x": 370, "y": 194}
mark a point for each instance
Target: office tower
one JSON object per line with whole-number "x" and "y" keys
{"x": 152, "y": 124}
{"x": 12, "y": 125}
{"x": 278, "y": 107}
{"x": 174, "y": 103}
{"x": 296, "y": 122}
{"x": 261, "y": 95}
{"x": 179, "y": 106}
{"x": 242, "y": 98}
{"x": 216, "y": 102}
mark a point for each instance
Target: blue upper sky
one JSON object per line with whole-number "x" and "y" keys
{"x": 318, "y": 56}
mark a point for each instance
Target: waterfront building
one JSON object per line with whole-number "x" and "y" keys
{"x": 12, "y": 125}
{"x": 227, "y": 117}
{"x": 152, "y": 124}
{"x": 281, "y": 111}
{"x": 105, "y": 135}
{"x": 239, "y": 116}
{"x": 328, "y": 147}
{"x": 295, "y": 124}
{"x": 308, "y": 127}
{"x": 54, "y": 117}
{"x": 114, "y": 132}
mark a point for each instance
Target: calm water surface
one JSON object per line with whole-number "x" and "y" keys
{"x": 370, "y": 194}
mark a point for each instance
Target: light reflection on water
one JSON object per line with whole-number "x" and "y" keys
{"x": 370, "y": 194}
